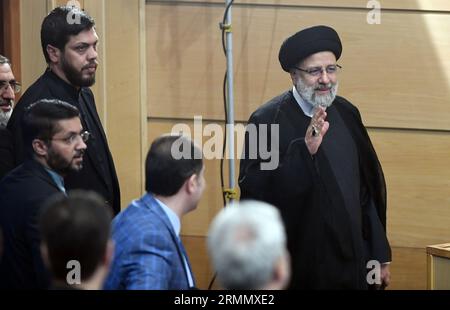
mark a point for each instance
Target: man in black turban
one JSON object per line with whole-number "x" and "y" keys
{"x": 329, "y": 184}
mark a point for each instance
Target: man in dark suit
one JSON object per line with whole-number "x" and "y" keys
{"x": 8, "y": 87}
{"x": 149, "y": 254}
{"x": 70, "y": 49}
{"x": 54, "y": 143}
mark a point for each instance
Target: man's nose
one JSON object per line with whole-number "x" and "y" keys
{"x": 92, "y": 53}
{"x": 8, "y": 92}
{"x": 324, "y": 78}
{"x": 81, "y": 145}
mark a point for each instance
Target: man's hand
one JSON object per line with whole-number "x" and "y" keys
{"x": 317, "y": 129}
{"x": 385, "y": 277}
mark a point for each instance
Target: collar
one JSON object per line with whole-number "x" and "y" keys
{"x": 306, "y": 107}
{"x": 57, "y": 178}
{"x": 173, "y": 218}
{"x": 69, "y": 89}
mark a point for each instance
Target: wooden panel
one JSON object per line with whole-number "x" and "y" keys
{"x": 11, "y": 35}
{"x": 196, "y": 223}
{"x": 417, "y": 170}
{"x": 201, "y": 265}
{"x": 441, "y": 270}
{"x": 78, "y": 3}
{"x": 32, "y": 13}
{"x": 2, "y": 26}
{"x": 381, "y": 62}
{"x": 122, "y": 93}
{"x": 408, "y": 267}
{"x": 441, "y": 250}
{"x": 439, "y": 5}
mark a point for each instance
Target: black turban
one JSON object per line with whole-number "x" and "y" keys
{"x": 307, "y": 42}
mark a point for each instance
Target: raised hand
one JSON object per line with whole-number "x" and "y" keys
{"x": 316, "y": 130}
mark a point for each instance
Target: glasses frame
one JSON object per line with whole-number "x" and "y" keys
{"x": 85, "y": 135}
{"x": 322, "y": 69}
{"x": 15, "y": 86}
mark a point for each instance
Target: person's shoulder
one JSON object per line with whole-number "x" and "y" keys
{"x": 135, "y": 215}
{"x": 265, "y": 113}
{"x": 26, "y": 185}
{"x": 39, "y": 89}
{"x": 344, "y": 104}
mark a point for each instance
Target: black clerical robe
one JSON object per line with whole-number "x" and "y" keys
{"x": 333, "y": 203}
{"x": 6, "y": 152}
{"x": 98, "y": 173}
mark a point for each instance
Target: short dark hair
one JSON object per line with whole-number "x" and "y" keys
{"x": 40, "y": 120}
{"x": 165, "y": 172}
{"x": 75, "y": 227}
{"x": 57, "y": 27}
{"x": 4, "y": 60}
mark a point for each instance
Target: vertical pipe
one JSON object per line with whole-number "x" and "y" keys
{"x": 230, "y": 97}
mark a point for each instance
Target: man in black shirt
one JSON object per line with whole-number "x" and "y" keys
{"x": 69, "y": 43}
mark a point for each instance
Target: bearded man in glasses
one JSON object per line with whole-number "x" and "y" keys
{"x": 54, "y": 144}
{"x": 329, "y": 184}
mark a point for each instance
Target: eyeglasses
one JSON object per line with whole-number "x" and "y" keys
{"x": 317, "y": 71}
{"x": 85, "y": 135}
{"x": 15, "y": 86}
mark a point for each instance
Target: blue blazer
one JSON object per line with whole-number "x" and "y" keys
{"x": 148, "y": 254}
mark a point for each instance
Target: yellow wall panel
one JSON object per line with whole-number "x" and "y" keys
{"x": 438, "y": 5}
{"x": 417, "y": 170}
{"x": 32, "y": 12}
{"x": 396, "y": 72}
{"x": 122, "y": 93}
{"x": 408, "y": 269}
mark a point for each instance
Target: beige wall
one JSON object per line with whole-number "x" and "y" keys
{"x": 397, "y": 73}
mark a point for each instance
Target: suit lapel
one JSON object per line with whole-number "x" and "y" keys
{"x": 38, "y": 170}
{"x": 153, "y": 205}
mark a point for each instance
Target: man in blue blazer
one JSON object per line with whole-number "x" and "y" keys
{"x": 54, "y": 141}
{"x": 148, "y": 250}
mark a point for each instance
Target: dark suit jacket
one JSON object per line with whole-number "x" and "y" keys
{"x": 22, "y": 193}
{"x": 6, "y": 152}
{"x": 98, "y": 173}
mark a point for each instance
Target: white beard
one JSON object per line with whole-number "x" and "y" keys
{"x": 4, "y": 117}
{"x": 308, "y": 93}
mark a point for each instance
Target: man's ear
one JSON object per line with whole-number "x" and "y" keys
{"x": 191, "y": 184}
{"x": 54, "y": 53}
{"x": 292, "y": 74}
{"x": 39, "y": 147}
